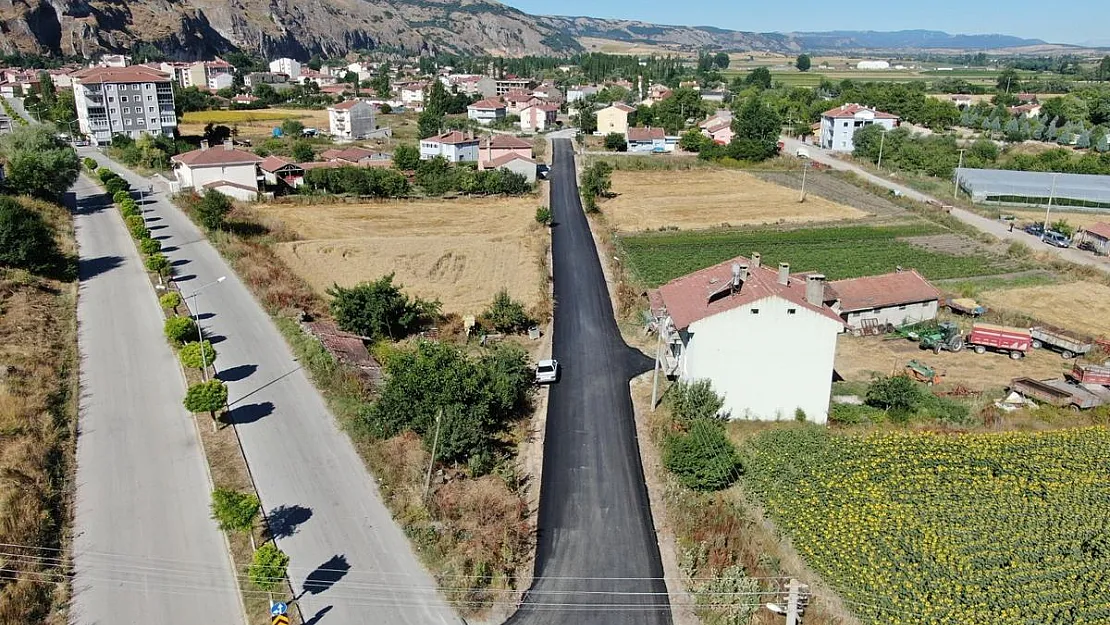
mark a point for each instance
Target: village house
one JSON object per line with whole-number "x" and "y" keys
{"x": 649, "y": 140}
{"x": 517, "y": 101}
{"x": 213, "y": 75}
{"x": 515, "y": 163}
{"x": 613, "y": 119}
{"x": 840, "y": 124}
{"x": 224, "y": 168}
{"x": 412, "y": 95}
{"x": 656, "y": 94}
{"x": 114, "y": 60}
{"x": 471, "y": 84}
{"x": 244, "y": 98}
{"x": 278, "y": 170}
{"x": 486, "y": 111}
{"x": 352, "y": 119}
{"x": 884, "y": 301}
{"x": 454, "y": 146}
{"x": 549, "y": 92}
{"x": 719, "y": 130}
{"x": 176, "y": 70}
{"x": 279, "y": 82}
{"x": 765, "y": 339}
{"x": 962, "y": 101}
{"x": 538, "y": 117}
{"x": 578, "y": 92}
{"x": 497, "y": 146}
{"x": 1029, "y": 110}
{"x": 1098, "y": 235}
{"x": 356, "y": 156}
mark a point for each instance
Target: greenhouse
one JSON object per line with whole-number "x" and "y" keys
{"x": 1005, "y": 186}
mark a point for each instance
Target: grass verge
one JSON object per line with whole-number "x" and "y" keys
{"x": 38, "y": 420}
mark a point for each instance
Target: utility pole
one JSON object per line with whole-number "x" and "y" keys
{"x": 805, "y": 168}
{"x": 658, "y": 349}
{"x": 882, "y": 140}
{"x": 956, "y": 186}
{"x": 796, "y": 601}
{"x": 432, "y": 460}
{"x": 1051, "y": 196}
{"x": 196, "y": 320}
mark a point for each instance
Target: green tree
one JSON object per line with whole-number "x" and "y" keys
{"x": 380, "y": 83}
{"x": 1008, "y": 81}
{"x": 702, "y": 458}
{"x": 896, "y": 394}
{"x": 586, "y": 120}
{"x": 212, "y": 209}
{"x": 119, "y": 196}
{"x": 292, "y": 128}
{"x": 210, "y": 397}
{"x": 507, "y": 315}
{"x": 406, "y": 157}
{"x": 234, "y": 511}
{"x": 26, "y": 241}
{"x": 803, "y": 63}
{"x": 429, "y": 124}
{"x": 597, "y": 179}
{"x": 379, "y": 309}
{"x": 1103, "y": 71}
{"x": 150, "y": 247}
{"x": 268, "y": 568}
{"x": 437, "y": 100}
{"x": 756, "y": 129}
{"x": 180, "y": 330}
{"x": 1063, "y": 227}
{"x": 615, "y": 141}
{"x": 544, "y": 215}
{"x": 760, "y": 77}
{"x": 116, "y": 184}
{"x": 159, "y": 264}
{"x": 695, "y": 400}
{"x": 38, "y": 163}
{"x": 693, "y": 140}
{"x": 170, "y": 300}
{"x": 303, "y": 152}
{"x": 721, "y": 60}
{"x": 196, "y": 355}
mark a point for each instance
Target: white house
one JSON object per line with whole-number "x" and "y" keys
{"x": 352, "y": 119}
{"x": 538, "y": 117}
{"x": 285, "y": 65}
{"x": 894, "y": 298}
{"x": 513, "y": 162}
{"x": 578, "y": 92}
{"x": 224, "y": 168}
{"x": 412, "y": 95}
{"x": 486, "y": 111}
{"x": 648, "y": 140}
{"x": 454, "y": 146}
{"x": 838, "y": 125}
{"x": 765, "y": 340}
{"x": 114, "y": 60}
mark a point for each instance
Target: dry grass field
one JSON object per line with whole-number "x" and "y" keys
{"x": 1077, "y": 219}
{"x": 458, "y": 251}
{"x": 259, "y": 123}
{"x": 703, "y": 198}
{"x": 1078, "y": 306}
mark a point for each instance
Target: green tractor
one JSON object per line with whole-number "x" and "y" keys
{"x": 946, "y": 336}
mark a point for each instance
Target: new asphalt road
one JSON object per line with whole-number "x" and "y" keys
{"x": 597, "y": 559}
{"x": 145, "y": 548}
{"x": 350, "y": 563}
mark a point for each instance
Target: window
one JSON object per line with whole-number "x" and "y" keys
{"x": 111, "y": 87}
{"x": 755, "y": 311}
{"x": 126, "y": 110}
{"x": 114, "y": 110}
{"x": 845, "y": 124}
{"x": 136, "y": 87}
{"x": 150, "y": 98}
{"x": 123, "y": 98}
{"x": 150, "y": 109}
{"x": 111, "y": 98}
{"x": 139, "y": 122}
{"x": 791, "y": 311}
{"x": 127, "y": 121}
{"x": 153, "y": 121}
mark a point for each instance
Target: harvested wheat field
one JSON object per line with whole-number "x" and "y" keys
{"x": 1078, "y": 306}
{"x": 858, "y": 358}
{"x": 1076, "y": 219}
{"x": 703, "y": 198}
{"x": 460, "y": 252}
{"x": 252, "y": 123}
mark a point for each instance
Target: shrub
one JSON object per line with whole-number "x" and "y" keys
{"x": 90, "y": 164}
{"x": 692, "y": 401}
{"x": 197, "y": 355}
{"x": 506, "y": 315}
{"x": 855, "y": 414}
{"x": 134, "y": 220}
{"x": 158, "y": 263}
{"x": 544, "y": 215}
{"x": 267, "y": 570}
{"x": 702, "y": 458}
{"x": 170, "y": 300}
{"x": 212, "y": 209}
{"x": 615, "y": 141}
{"x": 210, "y": 397}
{"x": 234, "y": 511}
{"x": 140, "y": 232}
{"x": 180, "y": 330}
{"x": 119, "y": 196}
{"x": 104, "y": 173}
{"x": 150, "y": 246}
{"x": 894, "y": 393}
{"x": 113, "y": 185}
{"x": 26, "y": 241}
{"x": 129, "y": 205}
{"x": 379, "y": 309}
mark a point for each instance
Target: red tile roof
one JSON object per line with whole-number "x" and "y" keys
{"x": 508, "y": 158}
{"x": 345, "y": 105}
{"x": 273, "y": 163}
{"x": 646, "y": 134}
{"x": 505, "y": 142}
{"x": 621, "y": 106}
{"x": 1100, "y": 229}
{"x": 134, "y": 73}
{"x": 452, "y": 138}
{"x": 487, "y": 104}
{"x": 218, "y": 155}
{"x": 850, "y": 110}
{"x": 891, "y": 289}
{"x": 705, "y": 293}
{"x": 518, "y": 96}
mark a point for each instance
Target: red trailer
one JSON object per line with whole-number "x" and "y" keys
{"x": 1012, "y": 341}
{"x": 1090, "y": 374}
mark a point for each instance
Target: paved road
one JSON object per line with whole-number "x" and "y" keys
{"x": 994, "y": 227}
{"x": 349, "y": 559}
{"x": 597, "y": 554}
{"x": 145, "y": 548}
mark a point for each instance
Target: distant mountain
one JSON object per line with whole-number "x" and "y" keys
{"x": 906, "y": 40}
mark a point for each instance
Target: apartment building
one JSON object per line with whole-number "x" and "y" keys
{"x": 352, "y": 119}
{"x": 212, "y": 75}
{"x": 123, "y": 100}
{"x": 289, "y": 67}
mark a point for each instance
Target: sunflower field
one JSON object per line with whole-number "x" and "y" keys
{"x": 914, "y": 528}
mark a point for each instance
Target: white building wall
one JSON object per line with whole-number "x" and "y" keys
{"x": 197, "y": 177}
{"x": 896, "y": 315}
{"x": 765, "y": 364}
{"x": 286, "y": 66}
{"x": 461, "y": 152}
{"x": 836, "y": 134}
{"x": 360, "y": 120}
{"x": 485, "y": 116}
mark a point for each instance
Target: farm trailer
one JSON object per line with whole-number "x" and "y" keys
{"x": 1068, "y": 346}
{"x": 1090, "y": 374}
{"x": 1062, "y": 392}
{"x": 1012, "y": 341}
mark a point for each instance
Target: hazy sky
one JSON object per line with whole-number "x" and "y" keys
{"x": 1068, "y": 21}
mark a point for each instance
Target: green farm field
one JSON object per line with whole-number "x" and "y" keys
{"x": 838, "y": 252}
{"x": 916, "y": 528}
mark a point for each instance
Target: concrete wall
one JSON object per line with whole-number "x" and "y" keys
{"x": 197, "y": 177}
{"x": 836, "y": 134}
{"x": 612, "y": 119}
{"x": 765, "y": 364}
{"x": 485, "y": 116}
{"x": 896, "y": 315}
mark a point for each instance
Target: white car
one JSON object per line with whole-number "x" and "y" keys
{"x": 547, "y": 371}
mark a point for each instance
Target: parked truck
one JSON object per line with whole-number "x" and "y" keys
{"x": 1011, "y": 341}
{"x": 1068, "y": 346}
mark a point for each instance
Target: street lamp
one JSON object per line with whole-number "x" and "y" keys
{"x": 196, "y": 320}
{"x": 1048, "y": 211}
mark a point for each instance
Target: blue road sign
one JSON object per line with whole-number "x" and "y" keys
{"x": 279, "y": 608}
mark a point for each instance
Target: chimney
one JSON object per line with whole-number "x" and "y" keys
{"x": 739, "y": 274}
{"x": 815, "y": 289}
{"x": 757, "y": 258}
{"x": 204, "y": 144}
{"x": 784, "y": 273}
{"x": 228, "y": 144}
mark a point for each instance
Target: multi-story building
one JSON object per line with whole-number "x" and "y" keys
{"x": 205, "y": 74}
{"x": 471, "y": 84}
{"x": 353, "y": 119}
{"x": 123, "y": 100}
{"x": 486, "y": 111}
{"x": 289, "y": 67}
{"x": 511, "y": 83}
{"x": 176, "y": 70}
{"x": 454, "y": 146}
{"x": 839, "y": 125}
{"x": 114, "y": 60}
{"x": 275, "y": 80}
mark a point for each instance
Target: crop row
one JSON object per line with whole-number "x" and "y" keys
{"x": 917, "y": 528}
{"x": 837, "y": 252}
